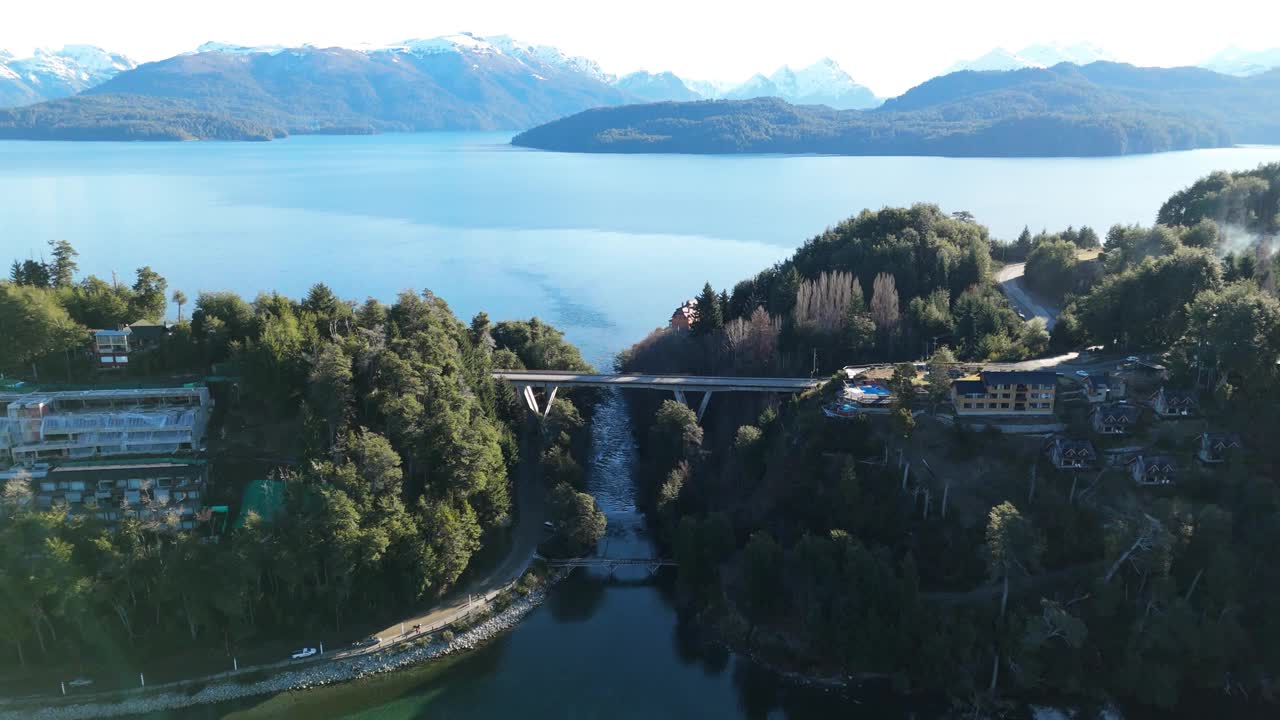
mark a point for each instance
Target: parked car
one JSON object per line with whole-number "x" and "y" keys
{"x": 1132, "y": 359}
{"x": 303, "y": 654}
{"x": 548, "y": 525}
{"x": 370, "y": 641}
{"x": 1082, "y": 373}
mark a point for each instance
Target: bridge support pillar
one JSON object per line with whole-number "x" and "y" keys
{"x": 551, "y": 397}
{"x": 684, "y": 400}
{"x": 702, "y": 407}
{"x": 531, "y": 400}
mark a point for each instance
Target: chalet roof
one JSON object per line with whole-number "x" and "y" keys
{"x": 1118, "y": 412}
{"x": 1223, "y": 439}
{"x": 1178, "y": 397}
{"x": 1075, "y": 446}
{"x": 1019, "y": 377}
{"x": 1165, "y": 464}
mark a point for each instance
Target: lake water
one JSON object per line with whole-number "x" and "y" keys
{"x": 602, "y": 246}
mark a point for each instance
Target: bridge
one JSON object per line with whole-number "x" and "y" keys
{"x": 551, "y": 380}
{"x": 651, "y": 564}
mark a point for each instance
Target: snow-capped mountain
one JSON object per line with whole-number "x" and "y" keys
{"x": 230, "y": 49}
{"x": 709, "y": 89}
{"x": 822, "y": 83}
{"x": 656, "y": 87}
{"x": 1243, "y": 63}
{"x": 452, "y": 82}
{"x": 1038, "y": 56}
{"x": 51, "y": 74}
{"x": 550, "y": 55}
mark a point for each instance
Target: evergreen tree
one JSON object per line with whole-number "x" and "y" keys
{"x": 148, "y": 301}
{"x": 708, "y": 319}
{"x": 63, "y": 268}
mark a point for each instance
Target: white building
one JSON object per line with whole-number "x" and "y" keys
{"x": 48, "y": 427}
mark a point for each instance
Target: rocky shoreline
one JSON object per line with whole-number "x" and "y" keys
{"x": 318, "y": 675}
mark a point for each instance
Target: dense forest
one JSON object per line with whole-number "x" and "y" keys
{"x": 1067, "y": 110}
{"x": 880, "y": 286}
{"x": 803, "y": 540}
{"x": 396, "y": 449}
{"x": 127, "y": 117}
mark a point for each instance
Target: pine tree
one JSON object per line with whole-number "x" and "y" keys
{"x": 707, "y": 320}
{"x": 63, "y": 268}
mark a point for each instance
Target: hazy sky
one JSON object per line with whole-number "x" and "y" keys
{"x": 888, "y": 45}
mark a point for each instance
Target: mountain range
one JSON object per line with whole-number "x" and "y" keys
{"x": 1231, "y": 61}
{"x": 1243, "y": 63}
{"x": 1035, "y": 56}
{"x": 1067, "y": 110}
{"x": 470, "y": 82}
{"x": 52, "y": 74}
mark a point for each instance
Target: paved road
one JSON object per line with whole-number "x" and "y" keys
{"x": 543, "y": 378}
{"x": 1013, "y": 283}
{"x": 525, "y": 538}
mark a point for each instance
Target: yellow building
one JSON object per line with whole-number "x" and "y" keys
{"x": 1005, "y": 393}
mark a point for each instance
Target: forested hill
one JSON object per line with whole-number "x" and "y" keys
{"x": 1068, "y": 110}
{"x": 127, "y": 117}
{"x": 328, "y": 90}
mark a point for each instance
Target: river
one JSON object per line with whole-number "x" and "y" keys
{"x": 603, "y": 246}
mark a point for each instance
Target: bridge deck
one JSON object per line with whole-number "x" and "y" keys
{"x": 549, "y": 378}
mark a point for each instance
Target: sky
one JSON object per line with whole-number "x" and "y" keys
{"x": 888, "y": 46}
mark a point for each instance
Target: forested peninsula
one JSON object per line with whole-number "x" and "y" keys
{"x": 903, "y": 544}
{"x": 1099, "y": 109}
{"x": 388, "y": 455}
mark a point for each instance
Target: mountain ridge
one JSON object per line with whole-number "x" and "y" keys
{"x": 53, "y": 74}
{"x": 1068, "y": 110}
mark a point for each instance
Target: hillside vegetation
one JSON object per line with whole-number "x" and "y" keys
{"x": 394, "y": 447}
{"x": 1067, "y": 110}
{"x": 127, "y": 117}
{"x": 989, "y": 574}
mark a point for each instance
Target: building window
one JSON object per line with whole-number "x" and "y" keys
{"x": 1004, "y": 405}
{"x": 968, "y": 405}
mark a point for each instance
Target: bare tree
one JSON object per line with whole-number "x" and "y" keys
{"x": 884, "y": 302}
{"x": 823, "y": 303}
{"x": 754, "y": 340}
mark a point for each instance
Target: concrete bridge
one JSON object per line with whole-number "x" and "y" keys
{"x": 551, "y": 380}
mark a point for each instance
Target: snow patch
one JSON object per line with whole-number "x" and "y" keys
{"x": 1243, "y": 63}
{"x": 1041, "y": 55}
{"x": 229, "y": 49}
{"x": 460, "y": 42}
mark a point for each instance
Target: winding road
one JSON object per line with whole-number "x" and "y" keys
{"x": 1012, "y": 282}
